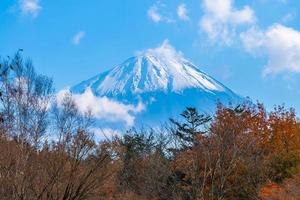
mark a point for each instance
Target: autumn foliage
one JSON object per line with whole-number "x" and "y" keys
{"x": 49, "y": 152}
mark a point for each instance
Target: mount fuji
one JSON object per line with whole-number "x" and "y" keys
{"x": 151, "y": 87}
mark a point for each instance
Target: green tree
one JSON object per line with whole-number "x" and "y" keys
{"x": 192, "y": 126}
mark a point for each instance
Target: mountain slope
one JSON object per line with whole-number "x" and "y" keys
{"x": 163, "y": 81}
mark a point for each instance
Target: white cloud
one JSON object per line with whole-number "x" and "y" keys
{"x": 158, "y": 14}
{"x": 78, "y": 37}
{"x": 253, "y": 39}
{"x": 153, "y": 14}
{"x": 221, "y": 19}
{"x": 30, "y": 7}
{"x": 104, "y": 108}
{"x": 165, "y": 50}
{"x": 182, "y": 12}
{"x": 281, "y": 44}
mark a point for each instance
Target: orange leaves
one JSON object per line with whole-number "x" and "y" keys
{"x": 288, "y": 190}
{"x": 242, "y": 149}
{"x": 284, "y": 130}
{"x": 271, "y": 191}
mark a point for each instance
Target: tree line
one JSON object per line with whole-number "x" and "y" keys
{"x": 49, "y": 152}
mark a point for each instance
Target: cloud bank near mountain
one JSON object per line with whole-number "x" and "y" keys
{"x": 103, "y": 108}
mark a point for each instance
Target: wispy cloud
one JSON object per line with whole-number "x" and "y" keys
{"x": 288, "y": 17}
{"x": 221, "y": 19}
{"x": 157, "y": 13}
{"x": 279, "y": 43}
{"x": 153, "y": 14}
{"x": 78, "y": 37}
{"x": 30, "y": 7}
{"x": 182, "y": 12}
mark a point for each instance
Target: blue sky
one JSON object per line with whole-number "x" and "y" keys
{"x": 253, "y": 47}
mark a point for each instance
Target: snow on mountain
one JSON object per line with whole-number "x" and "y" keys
{"x": 163, "y": 81}
{"x": 160, "y": 69}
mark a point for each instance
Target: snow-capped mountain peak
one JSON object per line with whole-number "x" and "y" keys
{"x": 160, "y": 80}
{"x": 159, "y": 69}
